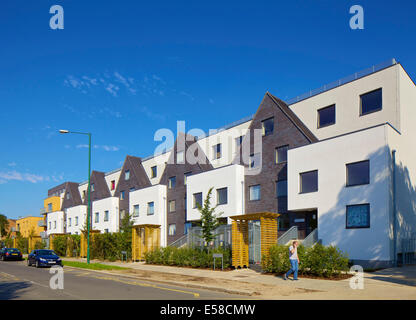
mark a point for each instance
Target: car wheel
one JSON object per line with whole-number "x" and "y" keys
{"x": 37, "y": 264}
{"x": 28, "y": 263}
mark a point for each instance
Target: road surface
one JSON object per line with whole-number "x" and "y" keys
{"x": 18, "y": 281}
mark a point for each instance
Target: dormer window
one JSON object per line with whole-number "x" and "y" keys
{"x": 267, "y": 126}
{"x": 127, "y": 175}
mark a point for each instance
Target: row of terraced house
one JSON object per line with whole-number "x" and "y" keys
{"x": 339, "y": 161}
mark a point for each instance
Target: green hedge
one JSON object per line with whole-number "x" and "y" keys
{"x": 61, "y": 243}
{"x": 108, "y": 246}
{"x": 187, "y": 257}
{"x": 318, "y": 260}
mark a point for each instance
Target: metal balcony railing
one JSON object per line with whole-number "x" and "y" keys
{"x": 41, "y": 223}
{"x": 289, "y": 235}
{"x": 42, "y": 211}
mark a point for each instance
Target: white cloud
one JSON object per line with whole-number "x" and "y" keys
{"x": 24, "y": 177}
{"x": 12, "y": 164}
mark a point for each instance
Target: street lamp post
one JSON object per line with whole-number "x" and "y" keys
{"x": 89, "y": 188}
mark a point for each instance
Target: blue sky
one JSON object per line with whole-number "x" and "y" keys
{"x": 124, "y": 69}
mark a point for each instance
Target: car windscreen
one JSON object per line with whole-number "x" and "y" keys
{"x": 12, "y": 250}
{"x": 46, "y": 252}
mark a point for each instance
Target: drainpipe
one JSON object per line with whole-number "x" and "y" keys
{"x": 394, "y": 208}
{"x": 242, "y": 197}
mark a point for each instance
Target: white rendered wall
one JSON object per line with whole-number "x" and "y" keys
{"x": 228, "y": 146}
{"x": 230, "y": 177}
{"x": 330, "y": 157}
{"x": 111, "y": 205}
{"x": 160, "y": 162}
{"x": 73, "y": 212}
{"x": 58, "y": 217}
{"x": 347, "y": 105}
{"x": 113, "y": 176}
{"x": 142, "y": 197}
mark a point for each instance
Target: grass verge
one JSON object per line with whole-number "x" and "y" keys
{"x": 92, "y": 266}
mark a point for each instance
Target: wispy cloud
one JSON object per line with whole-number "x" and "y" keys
{"x": 14, "y": 175}
{"x": 102, "y": 147}
{"x": 12, "y": 164}
{"x": 152, "y": 115}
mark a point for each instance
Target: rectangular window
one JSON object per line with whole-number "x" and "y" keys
{"x": 197, "y": 199}
{"x": 281, "y": 188}
{"x": 105, "y": 230}
{"x": 150, "y": 208}
{"x": 68, "y": 196}
{"x": 97, "y": 217}
{"x": 113, "y": 184}
{"x": 127, "y": 175}
{"x": 254, "y": 161}
{"x": 76, "y": 221}
{"x": 92, "y": 188}
{"x": 281, "y": 154}
{"x": 238, "y": 142}
{"x": 121, "y": 195}
{"x": 358, "y": 173}
{"x": 371, "y": 102}
{"x": 172, "y": 182}
{"x": 54, "y": 224}
{"x": 136, "y": 209}
{"x": 216, "y": 151}
{"x": 132, "y": 189}
{"x": 180, "y": 159}
{"x": 84, "y": 194}
{"x": 172, "y": 206}
{"x": 309, "y": 181}
{"x": 106, "y": 214}
{"x": 222, "y": 197}
{"x": 49, "y": 207}
{"x": 185, "y": 176}
{"x": 172, "y": 229}
{"x": 50, "y": 226}
{"x": 326, "y": 116}
{"x": 153, "y": 172}
{"x": 267, "y": 126}
{"x": 69, "y": 222}
{"x": 358, "y": 216}
{"x": 254, "y": 192}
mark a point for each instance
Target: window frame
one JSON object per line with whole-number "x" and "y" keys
{"x": 174, "y": 229}
{"x": 300, "y": 181}
{"x": 153, "y": 173}
{"x": 263, "y": 130}
{"x": 217, "y": 154}
{"x": 127, "y": 175}
{"x": 169, "y": 182}
{"x": 183, "y": 157}
{"x": 226, "y": 196}
{"x": 347, "y": 185}
{"x": 174, "y": 206}
{"x": 194, "y": 206}
{"x": 249, "y": 192}
{"x": 319, "y": 126}
{"x": 96, "y": 217}
{"x": 148, "y": 208}
{"x": 276, "y": 154}
{"x": 106, "y": 215}
{"x": 361, "y": 102}
{"x": 358, "y": 205}
{"x": 136, "y": 213}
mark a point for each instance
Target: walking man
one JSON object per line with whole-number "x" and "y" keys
{"x": 294, "y": 261}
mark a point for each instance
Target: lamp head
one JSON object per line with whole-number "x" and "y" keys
{"x": 63, "y": 131}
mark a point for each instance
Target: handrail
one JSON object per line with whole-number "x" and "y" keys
{"x": 311, "y": 238}
{"x": 290, "y": 234}
{"x": 179, "y": 242}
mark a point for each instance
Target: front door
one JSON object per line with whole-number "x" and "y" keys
{"x": 254, "y": 242}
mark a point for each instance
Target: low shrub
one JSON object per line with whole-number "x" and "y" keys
{"x": 108, "y": 246}
{"x": 187, "y": 257}
{"x": 59, "y": 243}
{"x": 318, "y": 260}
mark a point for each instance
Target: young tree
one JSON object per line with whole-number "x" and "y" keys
{"x": 209, "y": 220}
{"x": 4, "y": 223}
{"x": 126, "y": 223}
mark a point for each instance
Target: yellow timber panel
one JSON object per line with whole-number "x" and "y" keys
{"x": 244, "y": 243}
{"x": 235, "y": 236}
{"x": 268, "y": 234}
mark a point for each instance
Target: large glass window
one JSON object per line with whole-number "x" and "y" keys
{"x": 267, "y": 126}
{"x": 216, "y": 150}
{"x": 222, "y": 197}
{"x": 371, "y": 102}
{"x": 185, "y": 176}
{"x": 136, "y": 210}
{"x": 197, "y": 199}
{"x": 121, "y": 195}
{"x": 172, "y": 182}
{"x": 281, "y": 188}
{"x": 154, "y": 172}
{"x": 254, "y": 192}
{"x": 106, "y": 215}
{"x": 358, "y": 173}
{"x": 150, "y": 208}
{"x": 281, "y": 154}
{"x": 309, "y": 181}
{"x": 97, "y": 217}
{"x": 127, "y": 175}
{"x": 172, "y": 206}
{"x": 172, "y": 229}
{"x": 326, "y": 116}
{"x": 358, "y": 216}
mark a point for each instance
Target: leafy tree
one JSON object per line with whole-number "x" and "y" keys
{"x": 4, "y": 224}
{"x": 126, "y": 223}
{"x": 209, "y": 220}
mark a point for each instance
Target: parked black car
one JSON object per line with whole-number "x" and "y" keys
{"x": 43, "y": 258}
{"x": 10, "y": 254}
